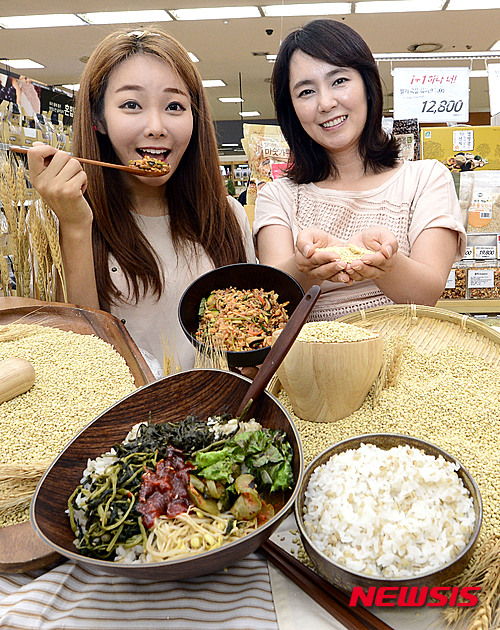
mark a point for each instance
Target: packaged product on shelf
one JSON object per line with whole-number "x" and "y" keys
{"x": 60, "y": 136}
{"x": 462, "y": 148}
{"x": 15, "y": 128}
{"x": 408, "y": 134}
{"x": 267, "y": 151}
{"x": 4, "y": 125}
{"x": 479, "y": 198}
{"x": 482, "y": 246}
{"x": 456, "y": 285}
{"x": 29, "y": 131}
{"x": 483, "y": 282}
{"x": 42, "y": 134}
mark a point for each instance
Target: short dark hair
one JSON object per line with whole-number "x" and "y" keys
{"x": 337, "y": 44}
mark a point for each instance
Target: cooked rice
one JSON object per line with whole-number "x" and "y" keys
{"x": 388, "y": 513}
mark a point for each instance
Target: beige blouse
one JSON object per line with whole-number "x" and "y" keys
{"x": 418, "y": 196}
{"x": 153, "y": 323}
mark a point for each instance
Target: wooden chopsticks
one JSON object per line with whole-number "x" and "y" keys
{"x": 325, "y": 594}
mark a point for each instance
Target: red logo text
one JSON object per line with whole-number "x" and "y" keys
{"x": 414, "y": 596}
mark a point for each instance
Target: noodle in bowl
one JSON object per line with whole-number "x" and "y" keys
{"x": 200, "y": 393}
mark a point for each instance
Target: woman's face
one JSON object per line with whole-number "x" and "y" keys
{"x": 330, "y": 102}
{"x": 147, "y": 112}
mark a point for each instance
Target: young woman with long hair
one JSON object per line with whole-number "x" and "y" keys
{"x": 132, "y": 244}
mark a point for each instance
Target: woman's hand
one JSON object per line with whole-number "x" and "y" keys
{"x": 319, "y": 266}
{"x": 61, "y": 182}
{"x": 380, "y": 260}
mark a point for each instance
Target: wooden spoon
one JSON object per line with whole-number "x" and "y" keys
{"x": 128, "y": 169}
{"x": 278, "y": 351}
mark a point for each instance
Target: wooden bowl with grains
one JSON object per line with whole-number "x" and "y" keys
{"x": 330, "y": 369}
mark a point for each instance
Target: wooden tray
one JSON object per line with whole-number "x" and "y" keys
{"x": 20, "y": 547}
{"x": 430, "y": 329}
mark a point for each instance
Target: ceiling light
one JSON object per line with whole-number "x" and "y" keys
{"x": 23, "y": 63}
{"x": 463, "y": 5}
{"x": 248, "y": 114}
{"x": 496, "y": 45}
{"x": 125, "y": 17}
{"x": 72, "y": 86}
{"x": 41, "y": 21}
{"x": 398, "y": 6}
{"x": 213, "y": 83}
{"x": 230, "y": 99}
{"x": 271, "y": 58}
{"x": 229, "y": 144}
{"x": 316, "y": 8}
{"x": 215, "y": 13}
{"x": 193, "y": 57}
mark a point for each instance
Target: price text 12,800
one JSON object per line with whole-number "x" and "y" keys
{"x": 442, "y": 106}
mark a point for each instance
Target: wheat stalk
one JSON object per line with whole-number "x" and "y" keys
{"x": 4, "y": 275}
{"x": 484, "y": 572}
{"x": 395, "y": 361}
{"x": 36, "y": 230}
{"x": 378, "y": 386}
{"x": 52, "y": 231}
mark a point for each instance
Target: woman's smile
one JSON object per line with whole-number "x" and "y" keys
{"x": 330, "y": 102}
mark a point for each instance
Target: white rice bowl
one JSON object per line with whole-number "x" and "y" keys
{"x": 393, "y": 513}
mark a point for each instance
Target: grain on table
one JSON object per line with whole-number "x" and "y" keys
{"x": 77, "y": 377}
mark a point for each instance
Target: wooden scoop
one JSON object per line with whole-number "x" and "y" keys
{"x": 16, "y": 377}
{"x": 278, "y": 351}
{"x": 128, "y": 169}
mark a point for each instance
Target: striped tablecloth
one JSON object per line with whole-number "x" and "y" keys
{"x": 70, "y": 596}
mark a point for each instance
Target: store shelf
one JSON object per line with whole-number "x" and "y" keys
{"x": 470, "y": 306}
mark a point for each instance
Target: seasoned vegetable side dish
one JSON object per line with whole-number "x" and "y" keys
{"x": 172, "y": 490}
{"x": 240, "y": 319}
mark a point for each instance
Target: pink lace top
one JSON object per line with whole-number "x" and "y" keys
{"x": 418, "y": 196}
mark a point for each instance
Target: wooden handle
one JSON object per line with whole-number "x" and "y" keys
{"x": 279, "y": 350}
{"x": 16, "y": 377}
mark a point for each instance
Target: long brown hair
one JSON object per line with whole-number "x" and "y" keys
{"x": 340, "y": 45}
{"x": 197, "y": 201}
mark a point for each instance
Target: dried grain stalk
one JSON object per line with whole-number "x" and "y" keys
{"x": 33, "y": 234}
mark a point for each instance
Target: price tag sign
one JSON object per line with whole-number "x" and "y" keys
{"x": 485, "y": 252}
{"x": 450, "y": 283}
{"x": 494, "y": 87}
{"x": 481, "y": 278}
{"x": 431, "y": 94}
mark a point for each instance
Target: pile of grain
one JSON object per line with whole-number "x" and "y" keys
{"x": 77, "y": 378}
{"x": 450, "y": 398}
{"x": 333, "y": 332}
{"x": 347, "y": 253}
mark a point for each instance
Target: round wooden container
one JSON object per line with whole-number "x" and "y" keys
{"x": 329, "y": 381}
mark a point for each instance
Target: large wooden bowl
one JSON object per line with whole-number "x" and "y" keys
{"x": 21, "y": 549}
{"x": 195, "y": 392}
{"x": 240, "y": 276}
{"x": 347, "y": 579}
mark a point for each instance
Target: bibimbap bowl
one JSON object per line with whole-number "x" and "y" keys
{"x": 199, "y": 393}
{"x": 355, "y": 518}
{"x": 242, "y": 276}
